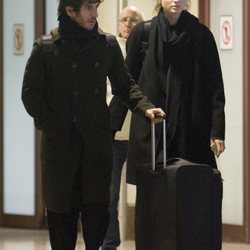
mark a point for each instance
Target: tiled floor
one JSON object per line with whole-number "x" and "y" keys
{"x": 14, "y": 239}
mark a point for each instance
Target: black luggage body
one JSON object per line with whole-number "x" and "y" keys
{"x": 178, "y": 207}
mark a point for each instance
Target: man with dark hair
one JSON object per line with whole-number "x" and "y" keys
{"x": 64, "y": 90}
{"x": 75, "y": 4}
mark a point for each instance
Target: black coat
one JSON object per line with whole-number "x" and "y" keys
{"x": 191, "y": 93}
{"x": 64, "y": 90}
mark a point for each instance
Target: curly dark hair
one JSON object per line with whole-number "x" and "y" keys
{"x": 75, "y": 4}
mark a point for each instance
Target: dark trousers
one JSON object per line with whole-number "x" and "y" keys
{"x": 63, "y": 227}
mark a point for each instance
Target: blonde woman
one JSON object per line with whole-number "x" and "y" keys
{"x": 181, "y": 73}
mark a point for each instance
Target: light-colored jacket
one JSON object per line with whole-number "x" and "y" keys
{"x": 122, "y": 135}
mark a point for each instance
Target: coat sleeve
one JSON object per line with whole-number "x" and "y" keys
{"x": 34, "y": 88}
{"x": 118, "y": 112}
{"x": 133, "y": 61}
{"x": 134, "y": 58}
{"x": 124, "y": 88}
{"x": 214, "y": 81}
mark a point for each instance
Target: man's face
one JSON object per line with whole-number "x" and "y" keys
{"x": 128, "y": 19}
{"x": 87, "y": 15}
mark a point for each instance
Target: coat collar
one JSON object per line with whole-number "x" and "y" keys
{"x": 56, "y": 34}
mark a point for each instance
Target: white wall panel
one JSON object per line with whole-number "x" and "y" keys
{"x": 18, "y": 165}
{"x": 51, "y": 15}
{"x": 231, "y": 162}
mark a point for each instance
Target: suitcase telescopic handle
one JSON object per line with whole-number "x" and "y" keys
{"x": 153, "y": 144}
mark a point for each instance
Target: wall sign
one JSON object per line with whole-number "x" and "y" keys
{"x": 226, "y": 32}
{"x": 18, "y": 38}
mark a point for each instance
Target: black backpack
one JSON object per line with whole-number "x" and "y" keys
{"x": 145, "y": 37}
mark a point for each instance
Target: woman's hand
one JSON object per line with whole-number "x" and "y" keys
{"x": 217, "y": 146}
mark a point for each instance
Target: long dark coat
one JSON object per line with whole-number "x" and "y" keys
{"x": 64, "y": 90}
{"x": 200, "y": 113}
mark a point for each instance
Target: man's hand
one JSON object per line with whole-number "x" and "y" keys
{"x": 156, "y": 115}
{"x": 217, "y": 146}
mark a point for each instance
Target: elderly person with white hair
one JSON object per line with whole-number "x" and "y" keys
{"x": 128, "y": 18}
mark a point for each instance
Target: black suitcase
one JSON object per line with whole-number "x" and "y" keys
{"x": 179, "y": 206}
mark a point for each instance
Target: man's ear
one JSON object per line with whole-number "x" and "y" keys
{"x": 70, "y": 11}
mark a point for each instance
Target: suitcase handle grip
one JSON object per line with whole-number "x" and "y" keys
{"x": 153, "y": 144}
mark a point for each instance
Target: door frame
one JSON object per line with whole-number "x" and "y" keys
{"x": 204, "y": 11}
{"x": 246, "y": 110}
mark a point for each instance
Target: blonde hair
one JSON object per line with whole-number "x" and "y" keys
{"x": 158, "y": 5}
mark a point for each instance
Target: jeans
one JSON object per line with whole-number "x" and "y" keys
{"x": 112, "y": 238}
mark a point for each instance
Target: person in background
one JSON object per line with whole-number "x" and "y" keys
{"x": 64, "y": 90}
{"x": 181, "y": 73}
{"x": 128, "y": 18}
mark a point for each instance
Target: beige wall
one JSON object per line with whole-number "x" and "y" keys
{"x": 147, "y": 6}
{"x": 108, "y": 15}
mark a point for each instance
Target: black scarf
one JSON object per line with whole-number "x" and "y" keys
{"x": 172, "y": 41}
{"x": 70, "y": 29}
{"x": 174, "y": 60}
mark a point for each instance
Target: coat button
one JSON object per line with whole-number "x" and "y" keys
{"x": 75, "y": 93}
{"x": 96, "y": 91}
{"x": 74, "y": 119}
{"x": 74, "y": 65}
{"x": 97, "y": 64}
